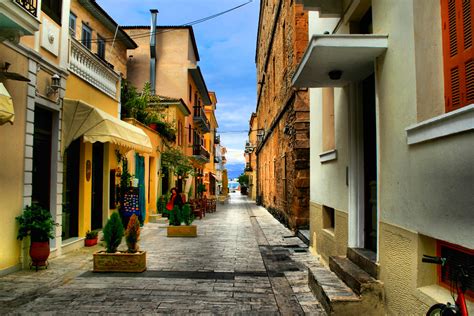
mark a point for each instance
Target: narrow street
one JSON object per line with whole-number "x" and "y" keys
{"x": 243, "y": 261}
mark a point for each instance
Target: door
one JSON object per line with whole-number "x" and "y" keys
{"x": 97, "y": 185}
{"x": 370, "y": 163}
{"x": 140, "y": 175}
{"x": 70, "y": 216}
{"x": 42, "y": 140}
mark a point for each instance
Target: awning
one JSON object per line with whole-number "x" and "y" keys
{"x": 351, "y": 55}
{"x": 7, "y": 112}
{"x": 94, "y": 125}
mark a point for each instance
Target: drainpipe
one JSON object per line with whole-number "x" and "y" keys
{"x": 154, "y": 13}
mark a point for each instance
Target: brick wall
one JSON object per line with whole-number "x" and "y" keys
{"x": 283, "y": 156}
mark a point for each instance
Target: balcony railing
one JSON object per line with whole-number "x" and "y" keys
{"x": 199, "y": 152}
{"x": 29, "y": 5}
{"x": 89, "y": 67}
{"x": 217, "y": 139}
{"x": 201, "y": 120}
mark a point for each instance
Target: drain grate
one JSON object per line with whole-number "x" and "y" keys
{"x": 196, "y": 275}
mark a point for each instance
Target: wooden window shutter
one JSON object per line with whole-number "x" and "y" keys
{"x": 458, "y": 53}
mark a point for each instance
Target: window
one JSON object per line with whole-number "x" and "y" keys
{"x": 328, "y": 218}
{"x": 180, "y": 133}
{"x": 86, "y": 38}
{"x": 100, "y": 47}
{"x": 53, "y": 9}
{"x": 190, "y": 93}
{"x": 72, "y": 24}
{"x": 328, "y": 119}
{"x": 189, "y": 133}
{"x": 458, "y": 53}
{"x": 455, "y": 255}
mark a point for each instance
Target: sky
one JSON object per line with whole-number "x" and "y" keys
{"x": 226, "y": 47}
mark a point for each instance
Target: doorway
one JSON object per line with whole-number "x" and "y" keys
{"x": 42, "y": 141}
{"x": 97, "y": 185}
{"x": 70, "y": 218}
{"x": 370, "y": 163}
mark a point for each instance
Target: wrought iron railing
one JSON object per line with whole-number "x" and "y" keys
{"x": 199, "y": 150}
{"x": 29, "y": 5}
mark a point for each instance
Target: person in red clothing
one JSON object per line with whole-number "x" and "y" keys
{"x": 175, "y": 200}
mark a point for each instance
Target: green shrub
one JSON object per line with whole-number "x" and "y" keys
{"x": 91, "y": 234}
{"x": 36, "y": 222}
{"x": 132, "y": 234}
{"x": 113, "y": 233}
{"x": 179, "y": 216}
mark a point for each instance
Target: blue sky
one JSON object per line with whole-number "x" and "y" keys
{"x": 227, "y": 49}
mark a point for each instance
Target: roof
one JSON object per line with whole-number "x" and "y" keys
{"x": 163, "y": 27}
{"x": 172, "y": 101}
{"x": 96, "y": 10}
{"x": 196, "y": 74}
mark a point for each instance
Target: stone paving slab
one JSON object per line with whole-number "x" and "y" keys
{"x": 243, "y": 262}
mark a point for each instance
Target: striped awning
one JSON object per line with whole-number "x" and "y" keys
{"x": 7, "y": 112}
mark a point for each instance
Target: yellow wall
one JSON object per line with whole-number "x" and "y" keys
{"x": 12, "y": 144}
{"x": 78, "y": 89}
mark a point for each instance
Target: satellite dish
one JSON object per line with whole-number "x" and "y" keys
{"x": 4, "y": 74}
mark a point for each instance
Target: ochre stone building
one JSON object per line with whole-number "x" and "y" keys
{"x": 282, "y": 113}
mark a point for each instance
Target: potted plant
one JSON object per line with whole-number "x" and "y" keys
{"x": 201, "y": 188}
{"x": 37, "y": 223}
{"x": 91, "y": 238}
{"x": 112, "y": 260}
{"x": 179, "y": 216}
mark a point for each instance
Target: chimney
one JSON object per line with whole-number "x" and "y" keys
{"x": 154, "y": 13}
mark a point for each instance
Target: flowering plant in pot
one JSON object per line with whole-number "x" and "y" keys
{"x": 91, "y": 238}
{"x": 37, "y": 223}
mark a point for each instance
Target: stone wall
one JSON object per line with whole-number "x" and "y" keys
{"x": 282, "y": 112}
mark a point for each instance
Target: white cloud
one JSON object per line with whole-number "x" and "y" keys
{"x": 235, "y": 156}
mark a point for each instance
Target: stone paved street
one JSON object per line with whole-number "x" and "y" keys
{"x": 243, "y": 262}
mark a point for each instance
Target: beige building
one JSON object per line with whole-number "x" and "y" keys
{"x": 391, "y": 141}
{"x": 173, "y": 72}
{"x": 251, "y": 157}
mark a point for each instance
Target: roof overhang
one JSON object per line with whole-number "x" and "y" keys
{"x": 102, "y": 16}
{"x": 198, "y": 79}
{"x": 326, "y": 8}
{"x": 353, "y": 55}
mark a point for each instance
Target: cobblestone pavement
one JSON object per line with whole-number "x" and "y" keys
{"x": 242, "y": 262}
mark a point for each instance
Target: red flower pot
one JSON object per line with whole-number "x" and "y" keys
{"x": 90, "y": 242}
{"x": 39, "y": 253}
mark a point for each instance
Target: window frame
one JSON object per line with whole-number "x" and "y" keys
{"x": 101, "y": 45}
{"x": 88, "y": 30}
{"x": 53, "y": 9}
{"x": 73, "y": 30}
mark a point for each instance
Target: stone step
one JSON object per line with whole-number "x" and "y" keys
{"x": 365, "y": 259}
{"x": 303, "y": 234}
{"x": 157, "y": 218}
{"x": 335, "y": 296}
{"x": 352, "y": 275}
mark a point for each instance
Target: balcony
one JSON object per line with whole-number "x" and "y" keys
{"x": 200, "y": 153}
{"x": 200, "y": 120}
{"x": 89, "y": 67}
{"x": 18, "y": 18}
{"x": 217, "y": 139}
{"x": 326, "y": 8}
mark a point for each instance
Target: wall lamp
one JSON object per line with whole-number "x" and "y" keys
{"x": 55, "y": 85}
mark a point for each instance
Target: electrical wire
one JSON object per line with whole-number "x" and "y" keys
{"x": 198, "y": 21}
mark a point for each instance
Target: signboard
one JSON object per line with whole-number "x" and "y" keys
{"x": 131, "y": 203}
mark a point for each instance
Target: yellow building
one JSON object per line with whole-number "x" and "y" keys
{"x": 210, "y": 174}
{"x": 62, "y": 144}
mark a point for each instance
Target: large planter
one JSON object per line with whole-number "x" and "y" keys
{"x": 90, "y": 242}
{"x": 182, "y": 231}
{"x": 119, "y": 262}
{"x": 39, "y": 253}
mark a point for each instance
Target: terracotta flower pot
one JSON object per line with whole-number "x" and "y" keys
{"x": 90, "y": 242}
{"x": 39, "y": 253}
